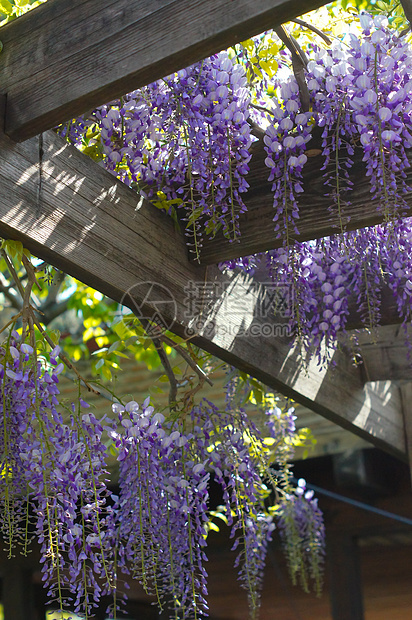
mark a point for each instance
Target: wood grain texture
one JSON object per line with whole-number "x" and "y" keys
{"x": 88, "y": 224}
{"x": 68, "y": 56}
{"x": 386, "y": 355}
{"x": 315, "y": 218}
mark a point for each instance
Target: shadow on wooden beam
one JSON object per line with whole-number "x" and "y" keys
{"x": 315, "y": 219}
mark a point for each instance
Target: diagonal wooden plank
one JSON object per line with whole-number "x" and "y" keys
{"x": 87, "y": 223}
{"x": 315, "y": 218}
{"x": 68, "y": 56}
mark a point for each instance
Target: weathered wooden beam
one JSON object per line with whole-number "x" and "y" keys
{"x": 68, "y": 56}
{"x": 87, "y": 223}
{"x": 315, "y": 218}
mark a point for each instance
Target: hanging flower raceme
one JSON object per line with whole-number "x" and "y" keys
{"x": 236, "y": 466}
{"x": 57, "y": 467}
{"x": 183, "y": 140}
{"x": 296, "y": 512}
{"x": 361, "y": 98}
{"x": 163, "y": 509}
{"x": 303, "y": 535}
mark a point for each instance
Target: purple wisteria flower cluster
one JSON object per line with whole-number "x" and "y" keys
{"x": 162, "y": 509}
{"x": 361, "y": 97}
{"x": 53, "y": 488}
{"x": 183, "y": 140}
{"x": 361, "y": 100}
{"x": 52, "y": 483}
{"x": 359, "y": 268}
{"x": 302, "y": 531}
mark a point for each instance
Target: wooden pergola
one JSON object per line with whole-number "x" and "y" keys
{"x": 68, "y": 56}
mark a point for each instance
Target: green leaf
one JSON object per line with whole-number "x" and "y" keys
{"x": 54, "y": 335}
{"x": 106, "y": 373}
{"x": 113, "y": 347}
{"x": 113, "y": 450}
{"x": 120, "y": 354}
{"x": 6, "y": 7}
{"x": 13, "y": 248}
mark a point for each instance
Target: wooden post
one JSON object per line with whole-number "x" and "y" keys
{"x": 406, "y": 399}
{"x": 345, "y": 577}
{"x": 17, "y": 591}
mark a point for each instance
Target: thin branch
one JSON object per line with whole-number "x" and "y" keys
{"x": 261, "y": 107}
{"x": 26, "y": 310}
{"x": 165, "y": 363}
{"x": 255, "y": 129}
{"x": 31, "y": 273}
{"x": 199, "y": 371}
{"x": 293, "y": 46}
{"x": 12, "y": 320}
{"x": 13, "y": 273}
{"x": 321, "y": 34}
{"x": 299, "y": 64}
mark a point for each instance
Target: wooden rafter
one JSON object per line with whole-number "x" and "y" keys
{"x": 68, "y": 56}
{"x": 87, "y": 223}
{"x": 315, "y": 218}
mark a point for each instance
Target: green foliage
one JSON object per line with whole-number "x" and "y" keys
{"x": 168, "y": 206}
{"x": 10, "y": 9}
{"x": 15, "y": 250}
{"x": 357, "y": 5}
{"x": 262, "y": 55}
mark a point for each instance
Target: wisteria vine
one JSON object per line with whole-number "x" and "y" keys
{"x": 53, "y": 488}
{"x": 184, "y": 142}
{"x": 54, "y": 481}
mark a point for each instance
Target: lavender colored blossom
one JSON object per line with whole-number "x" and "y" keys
{"x": 55, "y": 466}
{"x": 302, "y": 530}
{"x": 183, "y": 141}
